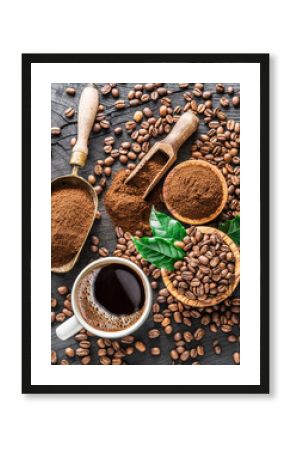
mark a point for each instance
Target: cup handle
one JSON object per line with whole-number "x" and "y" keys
{"x": 68, "y": 328}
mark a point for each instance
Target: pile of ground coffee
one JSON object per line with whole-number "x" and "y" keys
{"x": 72, "y": 211}
{"x": 124, "y": 202}
{"x": 194, "y": 192}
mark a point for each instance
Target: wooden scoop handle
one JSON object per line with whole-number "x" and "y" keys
{"x": 88, "y": 107}
{"x": 185, "y": 126}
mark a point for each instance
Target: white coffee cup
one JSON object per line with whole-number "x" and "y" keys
{"x": 75, "y": 323}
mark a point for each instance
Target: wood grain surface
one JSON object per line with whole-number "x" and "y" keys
{"x": 60, "y": 155}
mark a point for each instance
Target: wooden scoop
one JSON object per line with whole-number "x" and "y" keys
{"x": 184, "y": 127}
{"x": 88, "y": 107}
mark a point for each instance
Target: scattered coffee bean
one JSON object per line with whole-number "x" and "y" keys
{"x": 236, "y": 357}
{"x": 62, "y": 290}
{"x": 69, "y": 112}
{"x": 155, "y": 351}
{"x": 69, "y": 352}
{"x": 236, "y": 101}
{"x": 140, "y": 346}
{"x": 55, "y": 131}
{"x": 53, "y": 357}
{"x": 70, "y": 91}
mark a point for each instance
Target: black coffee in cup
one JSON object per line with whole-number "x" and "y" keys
{"x": 111, "y": 298}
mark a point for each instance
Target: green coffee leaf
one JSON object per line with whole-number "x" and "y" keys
{"x": 159, "y": 251}
{"x": 165, "y": 226}
{"x": 232, "y": 228}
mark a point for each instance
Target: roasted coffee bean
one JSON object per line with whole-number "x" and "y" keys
{"x": 53, "y": 315}
{"x": 69, "y": 112}
{"x": 200, "y": 350}
{"x": 103, "y": 252}
{"x": 115, "y": 92}
{"x": 106, "y": 89}
{"x": 81, "y": 337}
{"x": 118, "y": 130}
{"x": 120, "y": 104}
{"x": 82, "y": 352}
{"x": 184, "y": 356}
{"x": 109, "y": 161}
{"x": 107, "y": 171}
{"x": 98, "y": 189}
{"x": 70, "y": 91}
{"x": 69, "y": 352}
{"x": 53, "y": 357}
{"x": 217, "y": 349}
{"x": 86, "y": 360}
{"x": 138, "y": 116}
{"x": 174, "y": 355}
{"x": 193, "y": 353}
{"x": 85, "y": 344}
{"x": 168, "y": 329}
{"x": 219, "y": 88}
{"x": 92, "y": 180}
{"x": 187, "y": 336}
{"x": 236, "y": 357}
{"x": 226, "y": 328}
{"x": 73, "y": 141}
{"x": 55, "y": 131}
{"x": 177, "y": 317}
{"x": 116, "y": 361}
{"x": 224, "y": 102}
{"x": 134, "y": 102}
{"x": 60, "y": 317}
{"x": 96, "y": 128}
{"x": 105, "y": 360}
{"x": 165, "y": 322}
{"x": 140, "y": 346}
{"x": 157, "y": 318}
{"x": 236, "y": 101}
{"x": 147, "y": 112}
{"x": 64, "y": 362}
{"x": 199, "y": 334}
{"x": 67, "y": 312}
{"x": 154, "y": 333}
{"x": 155, "y": 351}
{"x": 163, "y": 110}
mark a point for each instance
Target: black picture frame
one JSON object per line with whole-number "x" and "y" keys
{"x": 27, "y": 60}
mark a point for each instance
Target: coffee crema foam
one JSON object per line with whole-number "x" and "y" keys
{"x": 95, "y": 314}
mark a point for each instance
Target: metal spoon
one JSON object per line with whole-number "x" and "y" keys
{"x": 88, "y": 106}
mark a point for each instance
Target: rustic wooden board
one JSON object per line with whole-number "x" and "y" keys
{"x": 60, "y": 154}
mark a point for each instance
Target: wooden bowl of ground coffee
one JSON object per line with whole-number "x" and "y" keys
{"x": 210, "y": 271}
{"x": 195, "y": 192}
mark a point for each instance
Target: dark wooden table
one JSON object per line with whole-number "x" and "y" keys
{"x": 60, "y": 155}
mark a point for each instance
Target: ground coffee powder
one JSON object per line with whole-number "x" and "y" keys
{"x": 194, "y": 192}
{"x": 124, "y": 202}
{"x": 72, "y": 211}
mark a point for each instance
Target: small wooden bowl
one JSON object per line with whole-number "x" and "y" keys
{"x": 195, "y": 163}
{"x": 219, "y": 298}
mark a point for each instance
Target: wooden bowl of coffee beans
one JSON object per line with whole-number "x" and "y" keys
{"x": 210, "y": 271}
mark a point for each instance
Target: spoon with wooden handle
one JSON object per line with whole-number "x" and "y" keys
{"x": 186, "y": 125}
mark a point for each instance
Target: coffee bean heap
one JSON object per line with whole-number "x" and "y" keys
{"x": 219, "y": 146}
{"x": 187, "y": 327}
{"x": 208, "y": 268}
